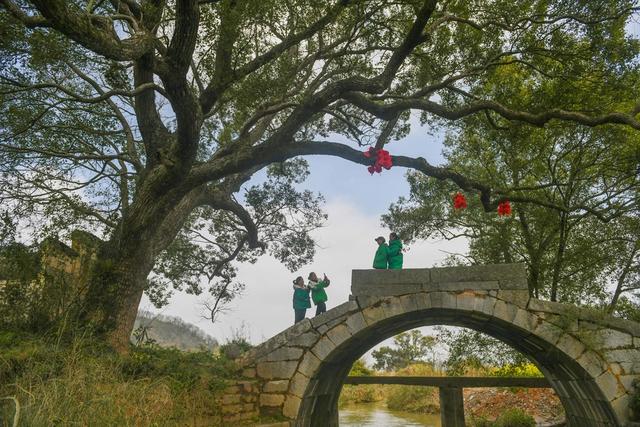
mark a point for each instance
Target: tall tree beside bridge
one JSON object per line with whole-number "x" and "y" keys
{"x": 143, "y": 116}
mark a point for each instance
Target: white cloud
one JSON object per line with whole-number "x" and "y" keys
{"x": 345, "y": 243}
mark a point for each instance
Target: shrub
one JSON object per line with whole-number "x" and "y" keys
{"x": 514, "y": 418}
{"x": 481, "y": 422}
{"x": 360, "y": 369}
{"x": 634, "y": 402}
{"x": 522, "y": 370}
{"x": 84, "y": 384}
{"x": 424, "y": 400}
{"x": 418, "y": 399}
{"x": 366, "y": 393}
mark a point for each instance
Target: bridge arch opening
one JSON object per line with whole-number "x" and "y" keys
{"x": 582, "y": 399}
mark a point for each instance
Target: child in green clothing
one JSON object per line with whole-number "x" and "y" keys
{"x": 318, "y": 294}
{"x": 395, "y": 252}
{"x": 380, "y": 260}
{"x": 300, "y": 299}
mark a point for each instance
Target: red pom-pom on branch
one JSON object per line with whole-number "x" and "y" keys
{"x": 504, "y": 208}
{"x": 383, "y": 160}
{"x": 459, "y": 201}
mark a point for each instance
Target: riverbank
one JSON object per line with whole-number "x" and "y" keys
{"x": 81, "y": 382}
{"x": 482, "y": 404}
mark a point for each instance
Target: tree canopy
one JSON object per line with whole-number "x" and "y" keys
{"x": 143, "y": 118}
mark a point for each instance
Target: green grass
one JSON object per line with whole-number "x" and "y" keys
{"x": 84, "y": 383}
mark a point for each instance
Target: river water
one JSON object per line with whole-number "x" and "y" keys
{"x": 378, "y": 415}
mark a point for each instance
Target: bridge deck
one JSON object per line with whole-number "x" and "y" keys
{"x": 461, "y": 382}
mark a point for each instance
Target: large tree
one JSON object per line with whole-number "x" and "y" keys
{"x": 144, "y": 116}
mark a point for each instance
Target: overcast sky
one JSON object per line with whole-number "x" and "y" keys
{"x": 355, "y": 201}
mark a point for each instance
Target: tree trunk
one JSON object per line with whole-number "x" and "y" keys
{"x": 114, "y": 287}
{"x": 557, "y": 267}
{"x": 119, "y": 336}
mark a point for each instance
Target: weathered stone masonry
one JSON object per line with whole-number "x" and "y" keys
{"x": 589, "y": 358}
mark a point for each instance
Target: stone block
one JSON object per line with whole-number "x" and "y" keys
{"x": 231, "y": 409}
{"x": 284, "y": 353}
{"x": 409, "y": 302}
{"x": 291, "y": 407}
{"x": 249, "y": 398}
{"x": 488, "y": 305}
{"x": 436, "y": 299}
{"x": 298, "y": 385}
{"x": 629, "y": 359}
{"x": 423, "y": 300}
{"x": 355, "y": 323}
{"x": 570, "y": 346}
{"x": 467, "y": 286}
{"x": 519, "y": 283}
{"x": 478, "y": 273}
{"x": 591, "y": 363}
{"x": 610, "y": 338}
{"x": 386, "y": 289}
{"x": 339, "y": 334}
{"x": 383, "y": 277}
{"x": 230, "y": 399}
{"x": 337, "y": 312}
{"x": 246, "y": 386}
{"x": 621, "y": 407}
{"x": 627, "y": 382}
{"x": 373, "y": 314}
{"x": 504, "y": 311}
{"x": 525, "y": 320}
{"x": 309, "y": 364}
{"x": 365, "y": 301}
{"x": 323, "y": 348}
{"x": 466, "y": 301}
{"x": 392, "y": 307}
{"x": 249, "y": 372}
{"x": 519, "y": 298}
{"x": 278, "y": 386}
{"x": 250, "y": 415}
{"x": 305, "y": 340}
{"x": 271, "y": 399}
{"x": 276, "y": 370}
{"x": 608, "y": 383}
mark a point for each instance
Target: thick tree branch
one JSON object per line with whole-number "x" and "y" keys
{"x": 94, "y": 32}
{"x": 29, "y": 21}
{"x": 388, "y": 111}
{"x": 185, "y": 34}
{"x": 224, "y": 76}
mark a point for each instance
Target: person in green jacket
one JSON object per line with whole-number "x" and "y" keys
{"x": 380, "y": 260}
{"x": 395, "y": 252}
{"x": 318, "y": 294}
{"x": 300, "y": 299}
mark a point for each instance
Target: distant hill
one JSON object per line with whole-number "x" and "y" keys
{"x": 169, "y": 331}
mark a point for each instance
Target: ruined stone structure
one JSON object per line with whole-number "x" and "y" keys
{"x": 590, "y": 359}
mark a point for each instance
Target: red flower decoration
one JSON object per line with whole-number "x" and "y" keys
{"x": 504, "y": 208}
{"x": 383, "y": 160}
{"x": 459, "y": 201}
{"x": 369, "y": 152}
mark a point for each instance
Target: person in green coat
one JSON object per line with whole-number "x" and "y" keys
{"x": 318, "y": 294}
{"x": 395, "y": 252}
{"x": 301, "y": 301}
{"x": 380, "y": 260}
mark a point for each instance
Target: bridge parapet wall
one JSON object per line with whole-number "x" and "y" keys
{"x": 592, "y": 359}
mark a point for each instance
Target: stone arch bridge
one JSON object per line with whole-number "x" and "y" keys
{"x": 590, "y": 359}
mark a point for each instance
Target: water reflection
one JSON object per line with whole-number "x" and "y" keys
{"x": 378, "y": 415}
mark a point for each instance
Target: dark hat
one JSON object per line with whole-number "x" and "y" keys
{"x": 379, "y": 238}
